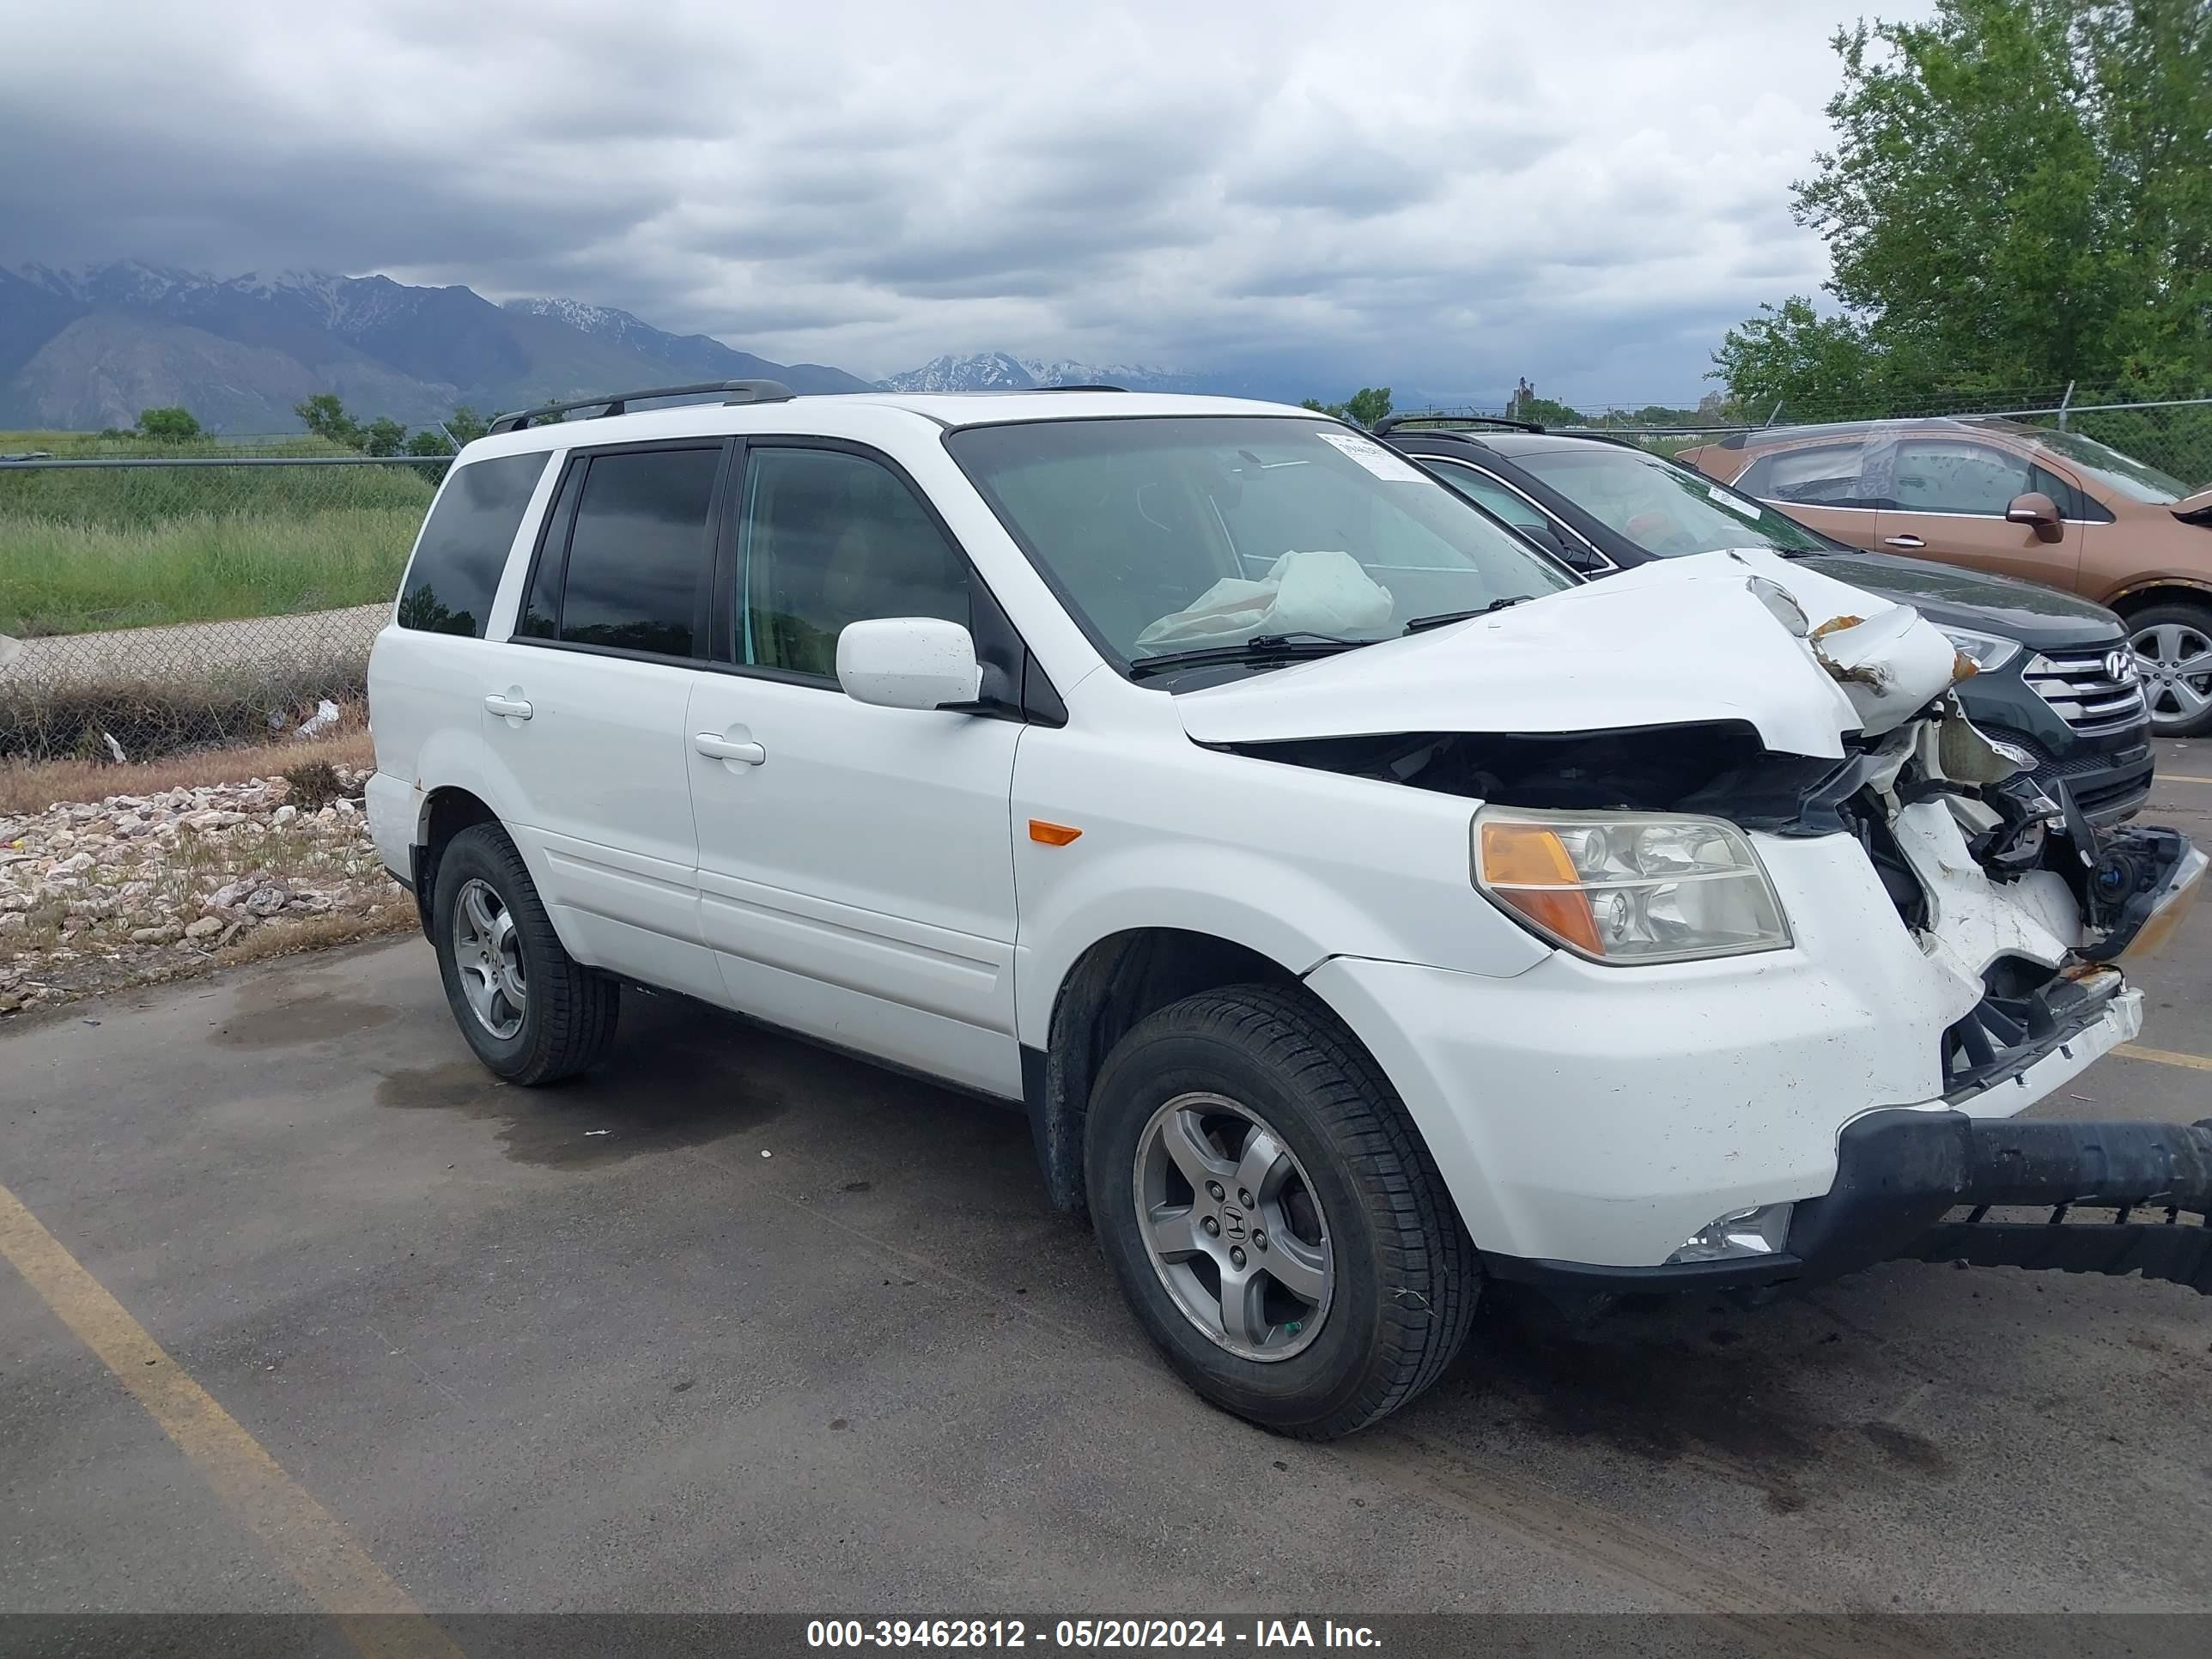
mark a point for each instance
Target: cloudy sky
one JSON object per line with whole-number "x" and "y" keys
{"x": 1437, "y": 197}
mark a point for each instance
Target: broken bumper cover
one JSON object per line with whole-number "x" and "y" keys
{"x": 1900, "y": 1173}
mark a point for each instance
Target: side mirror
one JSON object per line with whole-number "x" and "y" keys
{"x": 908, "y": 662}
{"x": 2036, "y": 509}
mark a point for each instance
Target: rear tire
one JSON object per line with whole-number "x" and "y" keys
{"x": 1261, "y": 1092}
{"x": 2166, "y": 636}
{"x": 532, "y": 1013}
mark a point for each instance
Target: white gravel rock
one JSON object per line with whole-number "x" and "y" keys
{"x": 94, "y": 893}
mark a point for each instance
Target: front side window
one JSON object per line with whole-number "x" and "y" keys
{"x": 1942, "y": 474}
{"x": 1165, "y": 533}
{"x": 2070, "y": 500}
{"x": 637, "y": 556}
{"x": 826, "y": 539}
{"x": 465, "y": 543}
{"x": 1662, "y": 508}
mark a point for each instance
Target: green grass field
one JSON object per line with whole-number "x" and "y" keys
{"x": 81, "y": 551}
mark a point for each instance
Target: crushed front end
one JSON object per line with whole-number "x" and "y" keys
{"x": 1996, "y": 879}
{"x": 1785, "y": 1091}
{"x": 2021, "y": 910}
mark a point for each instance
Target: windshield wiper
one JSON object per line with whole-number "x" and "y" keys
{"x": 1260, "y": 647}
{"x": 1442, "y": 617}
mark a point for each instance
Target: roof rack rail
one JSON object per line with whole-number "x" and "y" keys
{"x": 1391, "y": 423}
{"x": 1087, "y": 386}
{"x": 615, "y": 402}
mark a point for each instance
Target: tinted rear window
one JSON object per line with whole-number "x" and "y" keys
{"x": 464, "y": 544}
{"x": 638, "y": 555}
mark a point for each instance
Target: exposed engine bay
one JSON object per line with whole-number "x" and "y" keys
{"x": 2117, "y": 877}
{"x": 1715, "y": 694}
{"x": 2008, "y": 887}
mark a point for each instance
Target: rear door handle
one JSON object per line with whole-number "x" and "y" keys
{"x": 513, "y": 707}
{"x": 721, "y": 748}
{"x": 1903, "y": 541}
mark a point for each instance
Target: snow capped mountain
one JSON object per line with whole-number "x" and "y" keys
{"x": 90, "y": 347}
{"x": 605, "y": 322}
{"x": 1131, "y": 377}
{"x": 1000, "y": 371}
{"x": 986, "y": 370}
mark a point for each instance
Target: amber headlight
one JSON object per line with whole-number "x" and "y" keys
{"x": 1629, "y": 887}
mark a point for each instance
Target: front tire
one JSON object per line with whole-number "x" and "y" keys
{"x": 532, "y": 1013}
{"x": 1271, "y": 1214}
{"x": 2173, "y": 644}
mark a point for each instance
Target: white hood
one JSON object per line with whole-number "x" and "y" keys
{"x": 1671, "y": 642}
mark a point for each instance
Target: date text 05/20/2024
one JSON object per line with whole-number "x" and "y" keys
{"x": 1087, "y": 1633}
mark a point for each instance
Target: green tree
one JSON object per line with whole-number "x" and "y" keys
{"x": 172, "y": 425}
{"x": 383, "y": 436}
{"x": 326, "y": 417}
{"x": 466, "y": 425}
{"x": 1368, "y": 405}
{"x": 1792, "y": 356}
{"x": 1547, "y": 411}
{"x": 1363, "y": 408}
{"x": 2020, "y": 194}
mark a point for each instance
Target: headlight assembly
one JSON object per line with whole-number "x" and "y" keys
{"x": 1985, "y": 651}
{"x": 1629, "y": 887}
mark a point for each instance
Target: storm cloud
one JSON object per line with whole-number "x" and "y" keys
{"x": 1443, "y": 197}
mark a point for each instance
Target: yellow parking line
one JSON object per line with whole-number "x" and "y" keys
{"x": 2180, "y": 777}
{"x": 2163, "y": 1056}
{"x": 324, "y": 1558}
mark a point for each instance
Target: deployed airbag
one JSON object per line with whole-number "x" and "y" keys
{"x": 1319, "y": 592}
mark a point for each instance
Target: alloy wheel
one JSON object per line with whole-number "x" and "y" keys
{"x": 490, "y": 957}
{"x": 1233, "y": 1226}
{"x": 2176, "y": 662}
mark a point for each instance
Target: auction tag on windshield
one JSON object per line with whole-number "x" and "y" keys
{"x": 1742, "y": 508}
{"x": 1372, "y": 455}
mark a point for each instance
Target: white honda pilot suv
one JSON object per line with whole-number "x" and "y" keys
{"x": 1361, "y": 907}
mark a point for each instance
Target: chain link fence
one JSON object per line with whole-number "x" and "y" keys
{"x": 216, "y": 594}
{"x": 223, "y": 591}
{"x": 2174, "y": 435}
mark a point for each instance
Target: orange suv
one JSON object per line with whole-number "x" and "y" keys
{"x": 2021, "y": 500}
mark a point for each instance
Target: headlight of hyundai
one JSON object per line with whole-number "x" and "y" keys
{"x": 1985, "y": 651}
{"x": 1629, "y": 887}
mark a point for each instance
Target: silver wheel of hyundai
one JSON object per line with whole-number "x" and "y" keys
{"x": 2176, "y": 662}
{"x": 1233, "y": 1226}
{"x": 490, "y": 957}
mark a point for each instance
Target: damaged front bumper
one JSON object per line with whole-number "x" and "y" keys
{"x": 1963, "y": 1179}
{"x": 2112, "y": 1198}
{"x": 1928, "y": 1182}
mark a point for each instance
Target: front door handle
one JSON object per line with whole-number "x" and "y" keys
{"x": 515, "y": 708}
{"x": 721, "y": 748}
{"x": 1903, "y": 541}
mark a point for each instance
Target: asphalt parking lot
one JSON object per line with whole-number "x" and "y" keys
{"x": 738, "y": 1325}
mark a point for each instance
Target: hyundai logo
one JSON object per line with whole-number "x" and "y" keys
{"x": 2120, "y": 666}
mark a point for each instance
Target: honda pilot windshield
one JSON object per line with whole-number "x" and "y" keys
{"x": 1663, "y": 508}
{"x": 1253, "y": 537}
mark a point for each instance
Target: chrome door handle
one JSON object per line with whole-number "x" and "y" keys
{"x": 1903, "y": 541}
{"x": 513, "y": 707}
{"x": 718, "y": 748}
